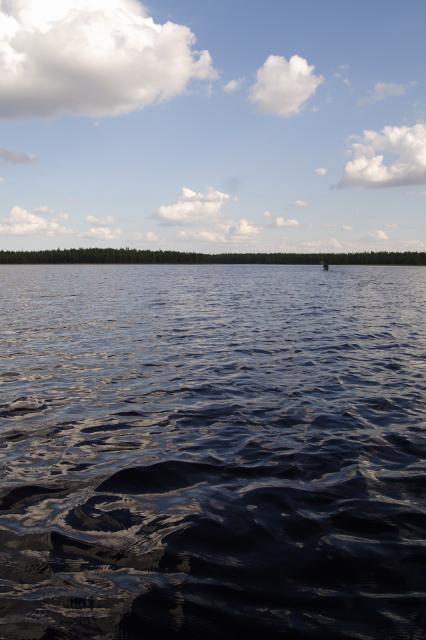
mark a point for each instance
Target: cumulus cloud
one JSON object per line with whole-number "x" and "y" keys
{"x": 321, "y": 171}
{"x": 203, "y": 216}
{"x": 369, "y": 167}
{"x": 233, "y": 85}
{"x": 392, "y": 225}
{"x": 21, "y": 222}
{"x": 244, "y": 228}
{"x": 283, "y": 86}
{"x": 91, "y": 57}
{"x": 96, "y": 220}
{"x": 14, "y": 157}
{"x": 192, "y": 205}
{"x": 381, "y": 91}
{"x": 347, "y": 227}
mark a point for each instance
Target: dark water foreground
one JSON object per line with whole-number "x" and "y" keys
{"x": 212, "y": 452}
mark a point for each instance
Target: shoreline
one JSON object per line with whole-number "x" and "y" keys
{"x": 142, "y": 256}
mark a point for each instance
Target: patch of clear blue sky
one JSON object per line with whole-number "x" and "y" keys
{"x": 128, "y": 166}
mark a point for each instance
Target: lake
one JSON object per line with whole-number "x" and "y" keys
{"x": 212, "y": 452}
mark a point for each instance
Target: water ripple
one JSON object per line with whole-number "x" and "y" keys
{"x": 212, "y": 451}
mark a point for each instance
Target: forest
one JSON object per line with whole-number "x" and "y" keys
{"x": 143, "y": 256}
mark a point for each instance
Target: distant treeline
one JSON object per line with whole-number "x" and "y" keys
{"x": 136, "y": 256}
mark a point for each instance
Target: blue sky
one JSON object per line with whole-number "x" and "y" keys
{"x": 116, "y": 131}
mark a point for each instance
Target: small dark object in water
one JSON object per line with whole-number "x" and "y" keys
{"x": 325, "y": 266}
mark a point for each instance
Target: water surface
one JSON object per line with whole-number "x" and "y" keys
{"x": 212, "y": 452}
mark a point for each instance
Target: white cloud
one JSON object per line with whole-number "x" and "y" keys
{"x": 224, "y": 232}
{"x": 203, "y": 214}
{"x": 369, "y": 168}
{"x": 91, "y": 57}
{"x": 244, "y": 228}
{"x": 21, "y": 222}
{"x": 282, "y": 222}
{"x": 192, "y": 206}
{"x": 233, "y": 85}
{"x": 96, "y": 220}
{"x": 13, "y": 157}
{"x": 379, "y": 234}
{"x": 302, "y": 204}
{"x": 2, "y": 180}
{"x": 283, "y": 86}
{"x": 383, "y": 90}
{"x": 203, "y": 235}
{"x": 344, "y": 79}
{"x": 321, "y": 171}
{"x": 393, "y": 225}
{"x": 102, "y": 233}
{"x": 148, "y": 236}
{"x": 347, "y": 227}
{"x": 331, "y": 243}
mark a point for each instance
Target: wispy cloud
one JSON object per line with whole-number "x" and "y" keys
{"x": 321, "y": 172}
{"x": 102, "y": 233}
{"x": 383, "y": 90}
{"x": 140, "y": 236}
{"x": 341, "y": 74}
{"x": 301, "y": 204}
{"x": 97, "y": 220}
{"x": 233, "y": 85}
{"x": 16, "y": 157}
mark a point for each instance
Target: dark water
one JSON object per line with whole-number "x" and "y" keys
{"x": 212, "y": 452}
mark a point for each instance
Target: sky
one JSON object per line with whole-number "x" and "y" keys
{"x": 213, "y": 125}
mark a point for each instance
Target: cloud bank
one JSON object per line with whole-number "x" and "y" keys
{"x": 92, "y": 58}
